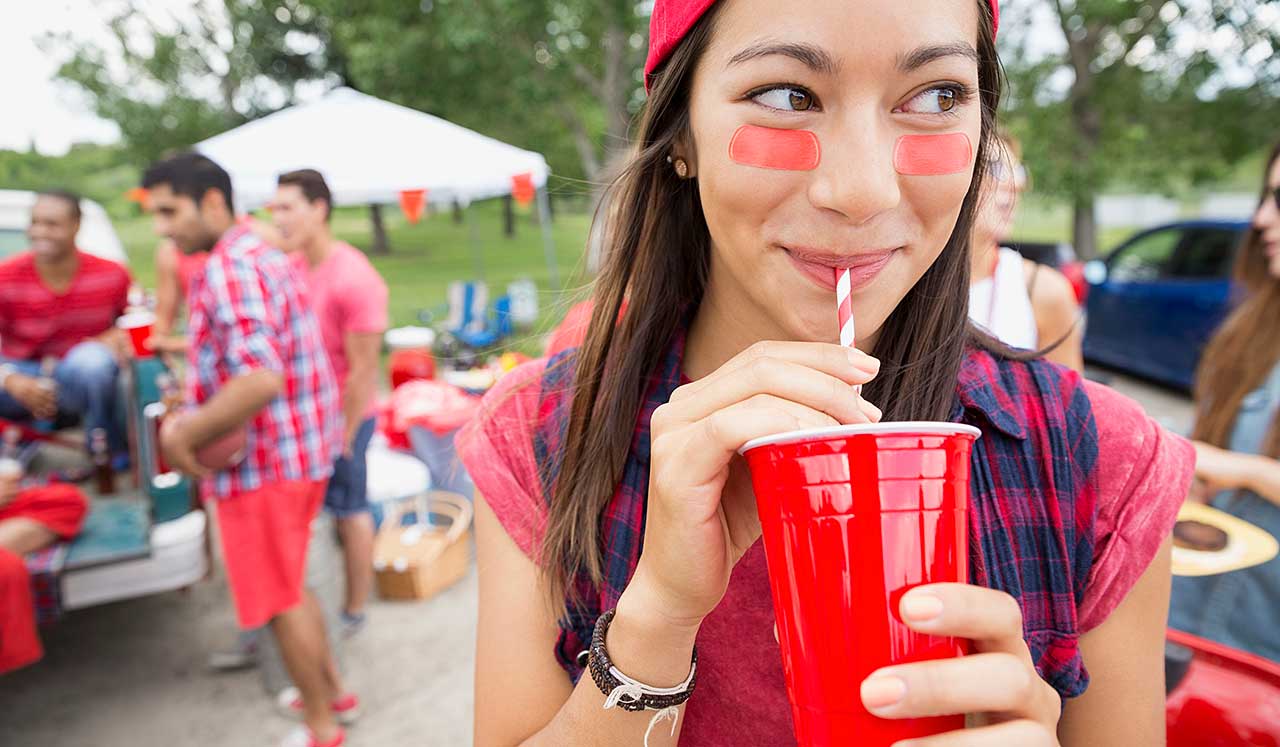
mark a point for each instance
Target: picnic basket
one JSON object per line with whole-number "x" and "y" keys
{"x": 419, "y": 560}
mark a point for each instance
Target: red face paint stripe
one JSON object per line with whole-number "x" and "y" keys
{"x": 932, "y": 155}
{"x": 770, "y": 148}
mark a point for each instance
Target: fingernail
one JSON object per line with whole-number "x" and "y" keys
{"x": 863, "y": 361}
{"x": 882, "y": 691}
{"x": 921, "y": 606}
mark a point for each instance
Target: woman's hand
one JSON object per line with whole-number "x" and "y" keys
{"x": 701, "y": 514}
{"x": 1219, "y": 469}
{"x": 998, "y": 682}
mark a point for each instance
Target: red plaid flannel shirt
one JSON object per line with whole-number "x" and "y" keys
{"x": 249, "y": 312}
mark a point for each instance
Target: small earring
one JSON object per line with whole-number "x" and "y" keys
{"x": 682, "y": 168}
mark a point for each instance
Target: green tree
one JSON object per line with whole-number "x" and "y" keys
{"x": 99, "y": 172}
{"x": 170, "y": 82}
{"x": 1154, "y": 94}
{"x": 558, "y": 76}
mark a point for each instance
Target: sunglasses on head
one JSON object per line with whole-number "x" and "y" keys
{"x": 1003, "y": 171}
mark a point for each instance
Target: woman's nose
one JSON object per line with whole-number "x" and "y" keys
{"x": 1268, "y": 213}
{"x": 856, "y": 177}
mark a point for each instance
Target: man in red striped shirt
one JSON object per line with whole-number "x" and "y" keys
{"x": 257, "y": 365}
{"x": 58, "y": 307}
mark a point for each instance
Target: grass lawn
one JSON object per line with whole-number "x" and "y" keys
{"x": 425, "y": 258}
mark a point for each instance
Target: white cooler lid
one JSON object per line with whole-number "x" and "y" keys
{"x": 407, "y": 338}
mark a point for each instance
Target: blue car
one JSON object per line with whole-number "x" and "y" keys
{"x": 1156, "y": 300}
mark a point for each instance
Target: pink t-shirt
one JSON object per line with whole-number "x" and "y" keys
{"x": 347, "y": 295}
{"x": 741, "y": 697}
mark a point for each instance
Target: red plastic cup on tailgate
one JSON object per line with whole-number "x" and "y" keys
{"x": 853, "y": 517}
{"x": 138, "y": 324}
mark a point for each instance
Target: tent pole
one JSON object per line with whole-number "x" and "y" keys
{"x": 548, "y": 243}
{"x": 477, "y": 252}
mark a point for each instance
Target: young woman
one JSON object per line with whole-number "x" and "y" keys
{"x": 1238, "y": 441}
{"x": 1021, "y": 303}
{"x": 863, "y": 123}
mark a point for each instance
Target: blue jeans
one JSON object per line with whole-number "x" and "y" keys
{"x": 88, "y": 392}
{"x": 348, "y": 491}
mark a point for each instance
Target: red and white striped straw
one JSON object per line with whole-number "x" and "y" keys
{"x": 844, "y": 308}
{"x": 844, "y": 313}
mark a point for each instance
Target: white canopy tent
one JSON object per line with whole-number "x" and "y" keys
{"x": 369, "y": 151}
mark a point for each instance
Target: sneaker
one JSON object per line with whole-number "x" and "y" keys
{"x": 346, "y": 709}
{"x": 243, "y": 655}
{"x": 352, "y": 624}
{"x": 302, "y": 737}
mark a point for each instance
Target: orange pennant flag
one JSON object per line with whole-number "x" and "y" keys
{"x": 411, "y": 202}
{"x": 139, "y": 195}
{"x": 522, "y": 188}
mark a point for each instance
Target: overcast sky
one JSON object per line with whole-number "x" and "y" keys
{"x": 52, "y": 115}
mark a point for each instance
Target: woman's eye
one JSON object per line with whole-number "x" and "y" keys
{"x": 786, "y": 99}
{"x": 934, "y": 101}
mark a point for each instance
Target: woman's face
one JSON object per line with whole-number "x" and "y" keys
{"x": 859, "y": 77}
{"x": 1006, "y": 180}
{"x": 1267, "y": 221}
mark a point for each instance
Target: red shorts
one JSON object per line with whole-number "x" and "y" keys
{"x": 264, "y": 545}
{"x": 59, "y": 507}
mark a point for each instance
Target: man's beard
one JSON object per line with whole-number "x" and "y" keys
{"x": 203, "y": 244}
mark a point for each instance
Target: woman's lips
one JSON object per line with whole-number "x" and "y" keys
{"x": 863, "y": 268}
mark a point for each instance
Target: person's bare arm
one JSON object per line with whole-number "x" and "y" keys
{"x": 362, "y": 357}
{"x": 1124, "y": 704}
{"x": 1053, "y": 301}
{"x": 700, "y": 518}
{"x": 1221, "y": 469}
{"x": 522, "y": 696}
{"x": 168, "y": 290}
{"x": 231, "y": 407}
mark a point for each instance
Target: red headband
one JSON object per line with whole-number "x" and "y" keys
{"x": 672, "y": 19}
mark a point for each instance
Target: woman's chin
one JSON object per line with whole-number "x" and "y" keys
{"x": 1273, "y": 265}
{"x": 805, "y": 324}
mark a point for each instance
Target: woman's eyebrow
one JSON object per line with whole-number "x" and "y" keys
{"x": 815, "y": 58}
{"x": 924, "y": 55}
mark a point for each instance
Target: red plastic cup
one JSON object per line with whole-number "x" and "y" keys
{"x": 853, "y": 517}
{"x": 411, "y": 364}
{"x": 138, "y": 324}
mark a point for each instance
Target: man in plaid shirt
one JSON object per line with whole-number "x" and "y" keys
{"x": 258, "y": 372}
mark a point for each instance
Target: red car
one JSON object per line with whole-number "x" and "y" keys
{"x": 1219, "y": 696}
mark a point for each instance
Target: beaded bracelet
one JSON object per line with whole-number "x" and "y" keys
{"x": 626, "y": 693}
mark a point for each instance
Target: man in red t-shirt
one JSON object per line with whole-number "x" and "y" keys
{"x": 58, "y": 308}
{"x": 349, "y": 298}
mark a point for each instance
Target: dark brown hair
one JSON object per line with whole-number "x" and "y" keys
{"x": 312, "y": 184}
{"x": 1247, "y": 346}
{"x": 657, "y": 258}
{"x": 190, "y": 174}
{"x": 71, "y": 199}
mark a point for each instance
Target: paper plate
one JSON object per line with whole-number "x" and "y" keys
{"x": 1247, "y": 545}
